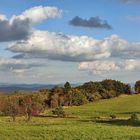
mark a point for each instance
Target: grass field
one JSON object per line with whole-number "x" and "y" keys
{"x": 81, "y": 123}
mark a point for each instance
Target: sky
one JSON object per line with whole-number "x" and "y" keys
{"x": 54, "y": 41}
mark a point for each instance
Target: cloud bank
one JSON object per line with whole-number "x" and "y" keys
{"x": 96, "y": 56}
{"x": 58, "y": 46}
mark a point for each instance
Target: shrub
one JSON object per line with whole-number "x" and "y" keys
{"x": 113, "y": 116}
{"x": 134, "y": 117}
{"x": 59, "y": 111}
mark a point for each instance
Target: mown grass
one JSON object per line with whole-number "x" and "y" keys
{"x": 81, "y": 123}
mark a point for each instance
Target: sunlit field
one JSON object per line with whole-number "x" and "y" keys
{"x": 88, "y": 122}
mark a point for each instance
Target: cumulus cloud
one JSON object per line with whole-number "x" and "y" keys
{"x": 93, "y": 22}
{"x": 120, "y": 48}
{"x": 98, "y": 67}
{"x": 58, "y": 46}
{"x": 17, "y": 29}
{"x": 20, "y": 27}
{"x": 107, "y": 66}
{"x": 39, "y": 13}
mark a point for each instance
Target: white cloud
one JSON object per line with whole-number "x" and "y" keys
{"x": 20, "y": 27}
{"x": 2, "y": 17}
{"x": 58, "y": 46}
{"x": 98, "y": 67}
{"x": 108, "y": 66}
{"x": 39, "y": 13}
{"x": 132, "y": 65}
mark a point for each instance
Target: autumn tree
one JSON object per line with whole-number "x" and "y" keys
{"x": 29, "y": 107}
{"x": 11, "y": 107}
{"x": 54, "y": 95}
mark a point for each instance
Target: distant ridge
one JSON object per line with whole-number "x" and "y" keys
{"x": 23, "y": 87}
{"x": 8, "y": 88}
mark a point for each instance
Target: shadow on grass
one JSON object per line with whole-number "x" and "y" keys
{"x": 46, "y": 116}
{"x": 120, "y": 122}
{"x": 54, "y": 116}
{"x": 129, "y": 113}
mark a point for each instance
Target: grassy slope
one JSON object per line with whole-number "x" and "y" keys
{"x": 82, "y": 127}
{"x": 121, "y": 106}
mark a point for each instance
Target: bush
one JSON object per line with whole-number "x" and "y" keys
{"x": 113, "y": 116}
{"x": 59, "y": 111}
{"x": 134, "y": 117}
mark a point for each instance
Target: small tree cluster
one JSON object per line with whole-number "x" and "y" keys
{"x": 104, "y": 89}
{"x": 19, "y": 105}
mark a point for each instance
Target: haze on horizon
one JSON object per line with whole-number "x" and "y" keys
{"x": 53, "y": 41}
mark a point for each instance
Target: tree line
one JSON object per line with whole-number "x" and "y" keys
{"x": 34, "y": 103}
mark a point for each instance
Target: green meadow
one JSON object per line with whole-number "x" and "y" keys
{"x": 88, "y": 122}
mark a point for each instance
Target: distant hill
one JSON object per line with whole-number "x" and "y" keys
{"x": 8, "y": 88}
{"x": 23, "y": 87}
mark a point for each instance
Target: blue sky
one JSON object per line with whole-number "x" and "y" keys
{"x": 53, "y": 41}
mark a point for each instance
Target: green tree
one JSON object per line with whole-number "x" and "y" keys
{"x": 137, "y": 86}
{"x": 67, "y": 87}
{"x": 78, "y": 98}
{"x": 128, "y": 89}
